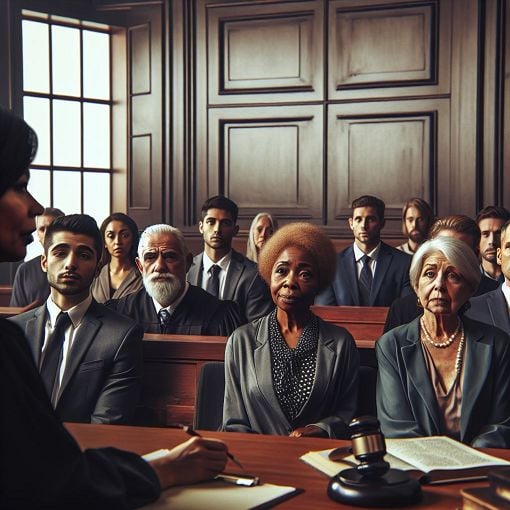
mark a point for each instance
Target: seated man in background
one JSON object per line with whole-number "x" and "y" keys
{"x": 222, "y": 271}
{"x": 89, "y": 357}
{"x": 30, "y": 285}
{"x": 404, "y": 310}
{"x": 370, "y": 272}
{"x": 490, "y": 220}
{"x": 168, "y": 303}
{"x": 493, "y": 307}
{"x": 417, "y": 216}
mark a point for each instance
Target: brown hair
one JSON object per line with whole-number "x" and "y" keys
{"x": 458, "y": 223}
{"x": 424, "y": 209}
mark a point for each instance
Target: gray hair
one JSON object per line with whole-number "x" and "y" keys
{"x": 251, "y": 249}
{"x": 457, "y": 252}
{"x": 162, "y": 229}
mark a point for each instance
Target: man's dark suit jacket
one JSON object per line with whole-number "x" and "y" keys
{"x": 391, "y": 279}
{"x": 42, "y": 466}
{"x": 490, "y": 308}
{"x": 199, "y": 313}
{"x": 102, "y": 378}
{"x": 406, "y": 401}
{"x": 243, "y": 285}
{"x": 30, "y": 284}
{"x": 406, "y": 309}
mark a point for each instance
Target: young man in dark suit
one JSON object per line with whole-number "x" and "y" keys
{"x": 221, "y": 270}
{"x": 370, "y": 272}
{"x": 89, "y": 357}
{"x": 493, "y": 307}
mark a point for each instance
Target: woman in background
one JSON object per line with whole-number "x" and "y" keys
{"x": 262, "y": 228}
{"x": 119, "y": 275}
{"x": 289, "y": 372}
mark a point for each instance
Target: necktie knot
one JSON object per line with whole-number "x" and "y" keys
{"x": 63, "y": 320}
{"x": 164, "y": 318}
{"x": 366, "y": 261}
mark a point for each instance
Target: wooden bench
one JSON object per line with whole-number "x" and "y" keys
{"x": 9, "y": 311}
{"x": 5, "y": 295}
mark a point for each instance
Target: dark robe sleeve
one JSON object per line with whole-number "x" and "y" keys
{"x": 41, "y": 464}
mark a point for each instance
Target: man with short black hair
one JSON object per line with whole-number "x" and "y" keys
{"x": 490, "y": 220}
{"x": 221, "y": 270}
{"x": 89, "y": 357}
{"x": 30, "y": 287}
{"x": 167, "y": 303}
{"x": 370, "y": 272}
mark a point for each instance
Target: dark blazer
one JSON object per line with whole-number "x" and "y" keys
{"x": 405, "y": 309}
{"x": 30, "y": 284}
{"x": 391, "y": 279}
{"x": 243, "y": 285}
{"x": 406, "y": 401}
{"x": 42, "y": 466}
{"x": 102, "y": 378}
{"x": 490, "y": 308}
{"x": 250, "y": 403}
{"x": 199, "y": 313}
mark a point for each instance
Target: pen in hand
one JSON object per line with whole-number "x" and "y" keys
{"x": 192, "y": 432}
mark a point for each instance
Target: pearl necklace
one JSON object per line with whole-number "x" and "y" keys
{"x": 440, "y": 345}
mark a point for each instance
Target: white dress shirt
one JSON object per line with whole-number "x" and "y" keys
{"x": 224, "y": 263}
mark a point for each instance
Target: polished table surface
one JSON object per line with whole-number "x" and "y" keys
{"x": 274, "y": 459}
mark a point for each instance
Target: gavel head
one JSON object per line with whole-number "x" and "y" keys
{"x": 368, "y": 446}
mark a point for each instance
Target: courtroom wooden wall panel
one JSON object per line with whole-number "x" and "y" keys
{"x": 265, "y": 53}
{"x": 388, "y": 49}
{"x": 268, "y": 158}
{"x": 389, "y": 149}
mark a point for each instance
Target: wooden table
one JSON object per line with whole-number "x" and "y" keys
{"x": 274, "y": 458}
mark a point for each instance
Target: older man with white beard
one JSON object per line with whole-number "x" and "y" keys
{"x": 168, "y": 303}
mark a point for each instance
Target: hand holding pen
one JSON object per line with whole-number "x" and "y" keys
{"x": 193, "y": 433}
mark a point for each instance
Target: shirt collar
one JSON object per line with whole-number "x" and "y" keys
{"x": 374, "y": 254}
{"x": 76, "y": 313}
{"x": 223, "y": 262}
{"x": 171, "y": 308}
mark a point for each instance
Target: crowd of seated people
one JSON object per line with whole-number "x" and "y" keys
{"x": 443, "y": 362}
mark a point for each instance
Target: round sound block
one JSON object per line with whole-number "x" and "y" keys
{"x": 393, "y": 489}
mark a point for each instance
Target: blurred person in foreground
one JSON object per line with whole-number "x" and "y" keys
{"x": 42, "y": 466}
{"x": 289, "y": 372}
{"x": 444, "y": 374}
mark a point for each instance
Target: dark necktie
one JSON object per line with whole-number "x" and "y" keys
{"x": 365, "y": 281}
{"x": 50, "y": 366}
{"x": 213, "y": 283}
{"x": 164, "y": 319}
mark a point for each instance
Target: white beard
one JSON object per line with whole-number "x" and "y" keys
{"x": 164, "y": 292}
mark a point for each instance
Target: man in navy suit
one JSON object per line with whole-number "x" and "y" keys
{"x": 223, "y": 271}
{"x": 89, "y": 357}
{"x": 493, "y": 307}
{"x": 370, "y": 272}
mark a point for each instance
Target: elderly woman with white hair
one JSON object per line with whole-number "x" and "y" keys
{"x": 444, "y": 374}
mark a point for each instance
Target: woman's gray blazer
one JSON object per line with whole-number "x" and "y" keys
{"x": 250, "y": 403}
{"x": 406, "y": 401}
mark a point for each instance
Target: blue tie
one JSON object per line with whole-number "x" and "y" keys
{"x": 164, "y": 319}
{"x": 365, "y": 281}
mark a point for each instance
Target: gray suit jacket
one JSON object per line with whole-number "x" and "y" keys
{"x": 102, "y": 378}
{"x": 250, "y": 403}
{"x": 406, "y": 401}
{"x": 490, "y": 308}
{"x": 243, "y": 285}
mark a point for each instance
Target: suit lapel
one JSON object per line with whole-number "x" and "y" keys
{"x": 498, "y": 308}
{"x": 35, "y": 332}
{"x": 195, "y": 271}
{"x": 477, "y": 363}
{"x": 419, "y": 377}
{"x": 348, "y": 268}
{"x": 263, "y": 372}
{"x": 383, "y": 263}
{"x": 235, "y": 270}
{"x": 85, "y": 335}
